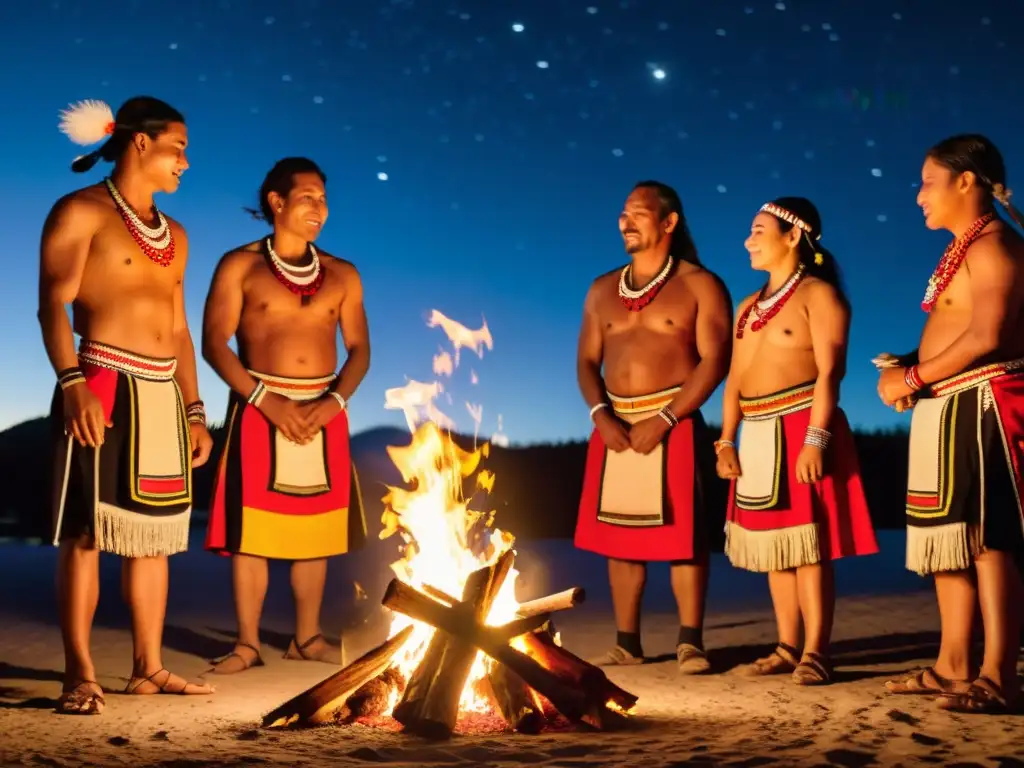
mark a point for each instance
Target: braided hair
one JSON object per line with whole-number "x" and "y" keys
{"x": 976, "y": 154}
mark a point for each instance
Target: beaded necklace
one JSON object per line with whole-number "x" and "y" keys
{"x": 156, "y": 242}
{"x": 765, "y": 308}
{"x": 303, "y": 280}
{"x": 951, "y": 261}
{"x": 635, "y": 300}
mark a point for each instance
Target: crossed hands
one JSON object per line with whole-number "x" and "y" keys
{"x": 642, "y": 437}
{"x": 299, "y": 422}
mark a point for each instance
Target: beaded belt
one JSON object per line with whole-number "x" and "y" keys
{"x": 643, "y": 403}
{"x": 777, "y": 404}
{"x": 123, "y": 361}
{"x": 974, "y": 377}
{"x": 295, "y": 389}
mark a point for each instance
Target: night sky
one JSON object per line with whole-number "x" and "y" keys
{"x": 478, "y": 154}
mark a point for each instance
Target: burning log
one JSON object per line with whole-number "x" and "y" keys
{"x": 570, "y": 668}
{"x": 575, "y": 704}
{"x": 560, "y": 601}
{"x": 430, "y": 705}
{"x": 515, "y": 700}
{"x": 319, "y": 703}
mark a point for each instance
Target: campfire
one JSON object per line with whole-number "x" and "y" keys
{"x": 459, "y": 644}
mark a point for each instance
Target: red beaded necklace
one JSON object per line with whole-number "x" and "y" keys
{"x": 777, "y": 302}
{"x": 157, "y": 242}
{"x": 635, "y": 300}
{"x": 951, "y": 261}
{"x": 305, "y": 290}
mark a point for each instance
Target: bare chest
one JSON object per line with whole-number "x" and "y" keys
{"x": 267, "y": 299}
{"x": 673, "y": 311}
{"x": 116, "y": 264}
{"x": 786, "y": 327}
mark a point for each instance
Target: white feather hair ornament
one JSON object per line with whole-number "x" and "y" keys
{"x": 87, "y": 122}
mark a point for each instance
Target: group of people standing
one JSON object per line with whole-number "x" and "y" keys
{"x": 129, "y": 426}
{"x": 658, "y": 338}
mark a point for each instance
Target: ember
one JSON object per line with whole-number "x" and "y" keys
{"x": 462, "y": 653}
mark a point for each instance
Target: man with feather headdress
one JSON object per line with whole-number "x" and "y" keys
{"x": 128, "y": 422}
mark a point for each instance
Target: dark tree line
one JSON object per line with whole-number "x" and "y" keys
{"x": 536, "y": 493}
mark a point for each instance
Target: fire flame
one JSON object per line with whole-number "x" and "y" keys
{"x": 444, "y": 540}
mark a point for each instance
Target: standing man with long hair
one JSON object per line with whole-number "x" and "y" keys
{"x": 965, "y": 383}
{"x": 654, "y": 345}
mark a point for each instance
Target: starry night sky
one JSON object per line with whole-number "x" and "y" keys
{"x": 478, "y": 153}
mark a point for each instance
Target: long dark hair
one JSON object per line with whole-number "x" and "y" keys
{"x": 974, "y": 153}
{"x": 810, "y": 250}
{"x": 140, "y": 114}
{"x": 281, "y": 179}
{"x": 682, "y": 246}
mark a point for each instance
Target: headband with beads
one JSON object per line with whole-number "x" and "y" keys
{"x": 791, "y": 218}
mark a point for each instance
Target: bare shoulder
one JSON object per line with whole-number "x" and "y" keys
{"x": 335, "y": 265}
{"x": 240, "y": 260}
{"x": 80, "y": 210}
{"x": 605, "y": 285}
{"x": 997, "y": 246}
{"x": 820, "y": 296}
{"x": 747, "y": 300}
{"x": 702, "y": 282}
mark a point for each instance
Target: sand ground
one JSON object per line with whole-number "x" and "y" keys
{"x": 717, "y": 719}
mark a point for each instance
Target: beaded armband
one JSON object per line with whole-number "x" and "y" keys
{"x": 913, "y": 379}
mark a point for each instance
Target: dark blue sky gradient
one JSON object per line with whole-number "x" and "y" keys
{"x": 508, "y": 154}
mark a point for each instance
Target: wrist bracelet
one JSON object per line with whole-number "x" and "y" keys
{"x": 257, "y": 394}
{"x": 721, "y": 445}
{"x": 912, "y": 378}
{"x": 69, "y": 377}
{"x": 341, "y": 400}
{"x": 196, "y": 412}
{"x": 597, "y": 408}
{"x": 669, "y": 417}
{"x": 817, "y": 437}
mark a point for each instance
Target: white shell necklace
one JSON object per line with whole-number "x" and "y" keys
{"x": 299, "y": 275}
{"x": 158, "y": 237}
{"x": 765, "y": 305}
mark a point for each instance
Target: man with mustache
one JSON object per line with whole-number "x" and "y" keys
{"x": 286, "y": 487}
{"x": 654, "y": 344}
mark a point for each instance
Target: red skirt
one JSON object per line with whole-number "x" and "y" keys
{"x": 275, "y": 499}
{"x": 666, "y": 523}
{"x": 773, "y": 521}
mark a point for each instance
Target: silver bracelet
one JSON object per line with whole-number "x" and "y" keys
{"x": 817, "y": 437}
{"x": 340, "y": 399}
{"x": 597, "y": 408}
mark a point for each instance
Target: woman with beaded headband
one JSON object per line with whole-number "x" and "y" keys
{"x": 796, "y": 501}
{"x": 654, "y": 345}
{"x": 965, "y": 383}
{"x": 285, "y": 487}
{"x": 129, "y": 426}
